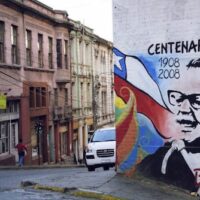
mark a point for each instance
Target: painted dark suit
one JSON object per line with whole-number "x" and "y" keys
{"x": 177, "y": 172}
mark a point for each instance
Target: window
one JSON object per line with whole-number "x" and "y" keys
{"x": 66, "y": 97}
{"x": 43, "y": 93}
{"x": 66, "y": 109}
{"x": 56, "y": 96}
{"x": 88, "y": 95}
{"x": 81, "y": 51}
{"x": 103, "y": 135}
{"x": 12, "y": 107}
{"x": 32, "y": 97}
{"x": 74, "y": 94}
{"x": 87, "y": 54}
{"x": 13, "y": 135}
{"x": 81, "y": 99}
{"x": 59, "y": 53}
{"x": 104, "y": 102}
{"x": 40, "y": 50}
{"x": 14, "y": 44}
{"x": 66, "y": 54}
{"x": 96, "y": 53}
{"x": 50, "y": 56}
{"x": 38, "y": 97}
{"x": 2, "y": 31}
{"x": 63, "y": 139}
{"x": 28, "y": 48}
{"x": 4, "y": 137}
{"x": 103, "y": 57}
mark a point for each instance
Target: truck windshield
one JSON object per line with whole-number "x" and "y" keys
{"x": 103, "y": 135}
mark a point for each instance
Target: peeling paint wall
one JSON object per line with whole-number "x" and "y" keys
{"x": 157, "y": 86}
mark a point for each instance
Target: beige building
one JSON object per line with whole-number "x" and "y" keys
{"x": 92, "y": 82}
{"x": 103, "y": 83}
{"x": 81, "y": 40}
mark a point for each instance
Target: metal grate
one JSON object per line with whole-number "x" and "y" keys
{"x": 102, "y": 153}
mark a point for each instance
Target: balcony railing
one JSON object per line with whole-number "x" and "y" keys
{"x": 57, "y": 112}
{"x": 62, "y": 113}
{"x": 67, "y": 112}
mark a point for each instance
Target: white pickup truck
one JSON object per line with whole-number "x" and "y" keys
{"x": 101, "y": 150}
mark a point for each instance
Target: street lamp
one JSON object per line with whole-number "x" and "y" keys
{"x": 39, "y": 131}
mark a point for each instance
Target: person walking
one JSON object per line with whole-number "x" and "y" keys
{"x": 21, "y": 148}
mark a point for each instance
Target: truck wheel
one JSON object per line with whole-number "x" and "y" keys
{"x": 106, "y": 168}
{"x": 91, "y": 168}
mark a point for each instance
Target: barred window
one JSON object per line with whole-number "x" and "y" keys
{"x": 28, "y": 47}
{"x": 66, "y": 97}
{"x": 56, "y": 97}
{"x": 104, "y": 102}
{"x": 4, "y": 132}
{"x": 50, "y": 56}
{"x": 40, "y": 50}
{"x": 66, "y": 54}
{"x": 59, "y": 53}
{"x": 14, "y": 38}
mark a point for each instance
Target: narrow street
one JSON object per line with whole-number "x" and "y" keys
{"x": 10, "y": 182}
{"x": 99, "y": 181}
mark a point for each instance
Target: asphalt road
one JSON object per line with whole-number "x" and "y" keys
{"x": 10, "y": 182}
{"x": 107, "y": 182}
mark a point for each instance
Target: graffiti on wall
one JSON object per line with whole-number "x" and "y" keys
{"x": 158, "y": 112}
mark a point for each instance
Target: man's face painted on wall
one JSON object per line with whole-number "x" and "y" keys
{"x": 189, "y": 109}
{"x": 185, "y": 103}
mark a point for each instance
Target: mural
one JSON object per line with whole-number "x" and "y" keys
{"x": 158, "y": 112}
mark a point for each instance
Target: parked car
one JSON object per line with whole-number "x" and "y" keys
{"x": 101, "y": 150}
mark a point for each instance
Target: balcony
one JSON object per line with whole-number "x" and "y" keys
{"x": 67, "y": 112}
{"x": 62, "y": 76}
{"x": 62, "y": 113}
{"x": 57, "y": 113}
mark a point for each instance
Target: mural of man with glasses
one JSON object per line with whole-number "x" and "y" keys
{"x": 178, "y": 161}
{"x": 187, "y": 108}
{"x": 168, "y": 118}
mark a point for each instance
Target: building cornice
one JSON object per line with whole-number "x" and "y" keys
{"x": 22, "y": 7}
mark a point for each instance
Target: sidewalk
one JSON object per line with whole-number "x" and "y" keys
{"x": 115, "y": 185}
{"x": 41, "y": 166}
{"x": 141, "y": 188}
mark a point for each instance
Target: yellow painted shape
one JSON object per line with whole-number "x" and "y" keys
{"x": 3, "y": 104}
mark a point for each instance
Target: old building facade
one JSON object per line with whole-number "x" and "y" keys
{"x": 35, "y": 75}
{"x": 57, "y": 77}
{"x": 81, "y": 38}
{"x": 103, "y": 83}
{"x": 92, "y": 81}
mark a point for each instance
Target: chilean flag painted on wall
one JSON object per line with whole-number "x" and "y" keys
{"x": 132, "y": 73}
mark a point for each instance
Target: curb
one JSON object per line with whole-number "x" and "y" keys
{"x": 95, "y": 195}
{"x": 53, "y": 188}
{"x": 78, "y": 192}
{"x": 39, "y": 167}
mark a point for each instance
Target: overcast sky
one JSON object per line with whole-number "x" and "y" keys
{"x": 96, "y": 14}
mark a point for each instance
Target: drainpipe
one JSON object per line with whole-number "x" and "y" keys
{"x": 77, "y": 90}
{"x": 93, "y": 88}
{"x": 71, "y": 103}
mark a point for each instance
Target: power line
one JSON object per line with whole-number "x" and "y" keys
{"x": 73, "y": 100}
{"x": 52, "y": 94}
{"x": 46, "y": 61}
